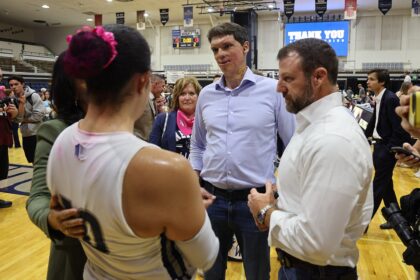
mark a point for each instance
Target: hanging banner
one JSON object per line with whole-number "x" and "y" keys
{"x": 320, "y": 7}
{"x": 164, "y": 16}
{"x": 289, "y": 8}
{"x": 120, "y": 18}
{"x": 384, "y": 6}
{"x": 141, "y": 21}
{"x": 188, "y": 16}
{"x": 415, "y": 8}
{"x": 98, "y": 20}
{"x": 350, "y": 9}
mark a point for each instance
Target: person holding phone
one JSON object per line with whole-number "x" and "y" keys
{"x": 402, "y": 111}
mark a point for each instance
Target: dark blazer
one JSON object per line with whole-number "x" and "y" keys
{"x": 166, "y": 141}
{"x": 389, "y": 123}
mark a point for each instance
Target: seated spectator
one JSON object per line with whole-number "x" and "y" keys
{"x": 172, "y": 131}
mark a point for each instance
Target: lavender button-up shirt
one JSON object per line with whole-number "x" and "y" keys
{"x": 233, "y": 141}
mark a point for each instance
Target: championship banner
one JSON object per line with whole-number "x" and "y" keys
{"x": 320, "y": 7}
{"x": 384, "y": 6}
{"x": 188, "y": 16}
{"x": 98, "y": 20}
{"x": 141, "y": 21}
{"x": 350, "y": 9}
{"x": 289, "y": 8}
{"x": 164, "y": 16}
{"x": 120, "y": 18}
{"x": 415, "y": 8}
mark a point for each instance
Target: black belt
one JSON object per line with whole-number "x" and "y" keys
{"x": 232, "y": 195}
{"x": 344, "y": 272}
{"x": 378, "y": 141}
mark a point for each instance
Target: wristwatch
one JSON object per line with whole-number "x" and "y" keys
{"x": 261, "y": 215}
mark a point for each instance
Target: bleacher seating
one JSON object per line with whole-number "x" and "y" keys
{"x": 7, "y": 63}
{"x": 42, "y": 66}
{"x": 188, "y": 68}
{"x": 391, "y": 66}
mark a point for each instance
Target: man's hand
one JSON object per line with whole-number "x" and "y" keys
{"x": 207, "y": 197}
{"x": 257, "y": 201}
{"x": 159, "y": 103}
{"x": 12, "y": 111}
{"x": 403, "y": 110}
{"x": 409, "y": 160}
{"x": 65, "y": 220}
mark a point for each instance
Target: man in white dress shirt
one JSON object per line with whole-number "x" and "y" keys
{"x": 324, "y": 178}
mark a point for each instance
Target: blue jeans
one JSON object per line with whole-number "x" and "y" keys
{"x": 293, "y": 273}
{"x": 234, "y": 217}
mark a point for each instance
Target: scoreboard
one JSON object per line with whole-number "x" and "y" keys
{"x": 186, "y": 38}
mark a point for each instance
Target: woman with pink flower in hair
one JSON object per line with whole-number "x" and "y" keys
{"x": 136, "y": 222}
{"x": 172, "y": 131}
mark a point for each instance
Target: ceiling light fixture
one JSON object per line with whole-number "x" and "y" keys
{"x": 146, "y": 14}
{"x": 270, "y": 6}
{"x": 45, "y": 6}
{"x": 210, "y": 9}
{"x": 109, "y": 0}
{"x": 89, "y": 19}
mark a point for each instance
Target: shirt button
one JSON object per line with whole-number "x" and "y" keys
{"x": 229, "y": 153}
{"x": 230, "y": 132}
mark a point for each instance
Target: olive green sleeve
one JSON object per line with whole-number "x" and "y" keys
{"x": 38, "y": 204}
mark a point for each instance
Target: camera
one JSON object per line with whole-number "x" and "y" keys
{"x": 6, "y": 102}
{"x": 406, "y": 223}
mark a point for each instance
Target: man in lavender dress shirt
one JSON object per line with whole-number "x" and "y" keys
{"x": 233, "y": 147}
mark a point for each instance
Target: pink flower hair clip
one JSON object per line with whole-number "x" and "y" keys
{"x": 107, "y": 36}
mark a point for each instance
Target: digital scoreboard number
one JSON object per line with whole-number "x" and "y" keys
{"x": 182, "y": 39}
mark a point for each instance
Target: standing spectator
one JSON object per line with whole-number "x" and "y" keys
{"x": 349, "y": 93}
{"x": 67, "y": 259}
{"x": 386, "y": 132}
{"x": 362, "y": 92}
{"x": 7, "y": 113}
{"x": 233, "y": 147}
{"x": 143, "y": 126}
{"x": 318, "y": 216}
{"x": 31, "y": 111}
{"x": 143, "y": 211}
{"x": 405, "y": 87}
{"x": 407, "y": 77}
{"x": 15, "y": 125}
{"x": 172, "y": 131}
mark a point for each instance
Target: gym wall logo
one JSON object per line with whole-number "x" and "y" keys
{"x": 19, "y": 180}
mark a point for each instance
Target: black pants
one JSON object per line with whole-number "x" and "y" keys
{"x": 15, "y": 128}
{"x": 29, "y": 145}
{"x": 4, "y": 162}
{"x": 383, "y": 186}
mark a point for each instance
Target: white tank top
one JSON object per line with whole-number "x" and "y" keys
{"x": 87, "y": 170}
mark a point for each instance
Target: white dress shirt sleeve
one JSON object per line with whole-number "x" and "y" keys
{"x": 331, "y": 181}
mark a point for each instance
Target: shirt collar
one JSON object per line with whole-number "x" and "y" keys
{"x": 248, "y": 77}
{"x": 317, "y": 110}
{"x": 379, "y": 97}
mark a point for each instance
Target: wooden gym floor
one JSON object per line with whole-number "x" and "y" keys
{"x": 24, "y": 249}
